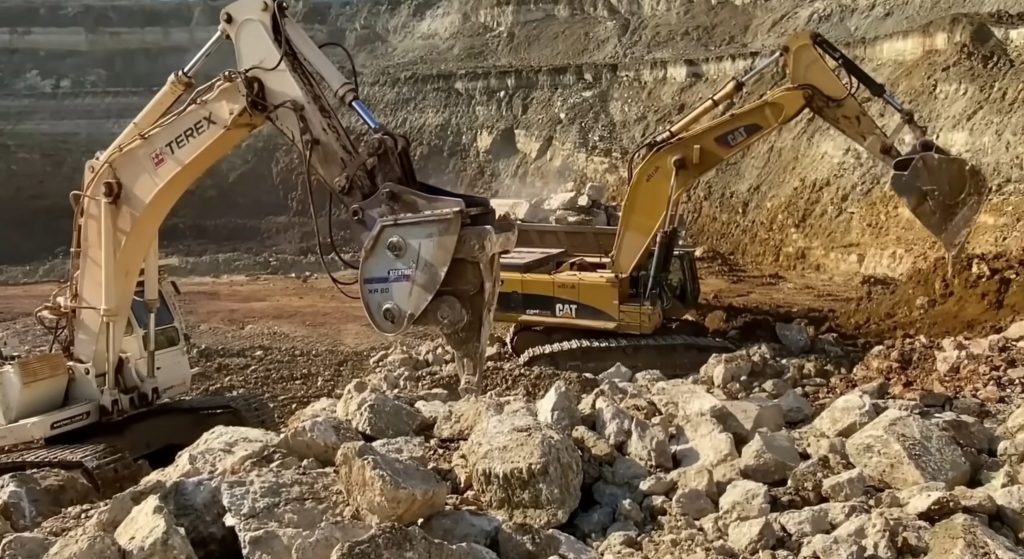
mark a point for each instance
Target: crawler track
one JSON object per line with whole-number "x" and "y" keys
{"x": 673, "y": 352}
{"x": 106, "y": 453}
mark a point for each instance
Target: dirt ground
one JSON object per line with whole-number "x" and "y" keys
{"x": 296, "y": 341}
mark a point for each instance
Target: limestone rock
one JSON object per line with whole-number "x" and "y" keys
{"x": 29, "y": 498}
{"x": 795, "y": 408}
{"x": 197, "y": 507}
{"x": 412, "y": 449}
{"x": 96, "y": 545}
{"x": 1011, "y": 507}
{"x": 390, "y": 541}
{"x": 751, "y": 536}
{"x": 593, "y": 522}
{"x": 273, "y": 510}
{"x": 846, "y": 486}
{"x": 222, "y": 450}
{"x": 804, "y": 523}
{"x": 964, "y": 537}
{"x": 904, "y": 450}
{"x": 612, "y": 422}
{"x": 571, "y": 548}
{"x": 658, "y": 484}
{"x": 377, "y": 415}
{"x": 149, "y": 532}
{"x": 702, "y": 479}
{"x": 558, "y": 408}
{"x": 976, "y": 501}
{"x": 769, "y": 457}
{"x": 1015, "y": 332}
{"x": 387, "y": 489}
{"x": 758, "y": 413}
{"x": 968, "y": 431}
{"x": 648, "y": 444}
{"x": 618, "y": 373}
{"x": 324, "y": 407}
{"x": 807, "y": 479}
{"x": 825, "y": 546}
{"x": 933, "y": 505}
{"x": 696, "y": 409}
{"x": 707, "y": 443}
{"x": 722, "y": 369}
{"x": 462, "y": 526}
{"x": 25, "y": 546}
{"x": 744, "y": 500}
{"x": 693, "y": 503}
{"x": 463, "y": 416}
{"x": 1013, "y": 425}
{"x": 318, "y": 437}
{"x": 524, "y": 471}
{"x": 794, "y": 336}
{"x": 522, "y": 541}
{"x": 847, "y": 415}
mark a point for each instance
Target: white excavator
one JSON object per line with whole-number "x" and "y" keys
{"x": 114, "y": 386}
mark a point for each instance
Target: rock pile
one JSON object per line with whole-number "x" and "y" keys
{"x": 735, "y": 462}
{"x": 575, "y": 204}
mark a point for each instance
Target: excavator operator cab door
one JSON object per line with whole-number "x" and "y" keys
{"x": 173, "y": 372}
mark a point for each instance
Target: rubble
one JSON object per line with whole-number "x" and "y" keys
{"x": 632, "y": 468}
{"x": 29, "y": 498}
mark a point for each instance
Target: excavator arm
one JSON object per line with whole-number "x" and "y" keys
{"x": 429, "y": 256}
{"x": 943, "y": 192}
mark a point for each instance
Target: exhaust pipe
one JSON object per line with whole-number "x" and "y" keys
{"x": 944, "y": 192}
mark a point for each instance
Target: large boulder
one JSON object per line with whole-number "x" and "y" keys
{"x": 904, "y": 450}
{"x": 222, "y": 450}
{"x": 318, "y": 438}
{"x": 29, "y": 498}
{"x": 273, "y": 511}
{"x": 388, "y": 489}
{"x": 381, "y": 417}
{"x": 524, "y": 471}
{"x": 964, "y": 537}
{"x": 149, "y": 532}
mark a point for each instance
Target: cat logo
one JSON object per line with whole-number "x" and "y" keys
{"x": 565, "y": 310}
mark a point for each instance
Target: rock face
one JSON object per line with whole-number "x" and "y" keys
{"x": 29, "y": 498}
{"x": 904, "y": 450}
{"x": 524, "y": 471}
{"x": 149, "y": 533}
{"x": 387, "y": 489}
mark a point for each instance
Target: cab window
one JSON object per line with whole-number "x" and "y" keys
{"x": 167, "y": 335}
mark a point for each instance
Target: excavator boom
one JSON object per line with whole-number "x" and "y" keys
{"x": 943, "y": 192}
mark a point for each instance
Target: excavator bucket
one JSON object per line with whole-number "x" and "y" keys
{"x": 944, "y": 192}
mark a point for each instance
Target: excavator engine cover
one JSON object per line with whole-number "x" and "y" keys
{"x": 944, "y": 192}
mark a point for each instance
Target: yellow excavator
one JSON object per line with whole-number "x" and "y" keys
{"x": 114, "y": 386}
{"x": 573, "y": 303}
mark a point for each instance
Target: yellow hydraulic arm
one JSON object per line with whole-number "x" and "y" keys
{"x": 943, "y": 192}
